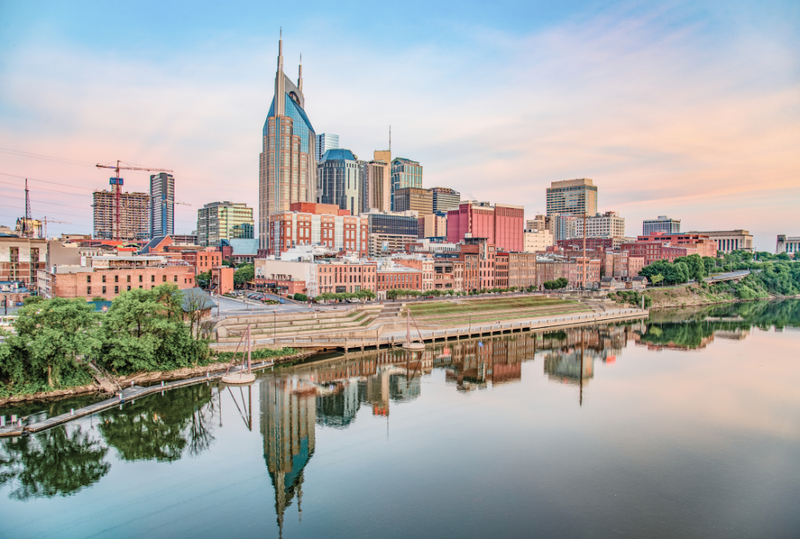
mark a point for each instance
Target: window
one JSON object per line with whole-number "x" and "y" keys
{"x": 152, "y": 278}
{"x": 116, "y": 278}
{"x": 88, "y": 290}
{"x": 175, "y": 278}
{"x": 104, "y": 279}
{"x": 104, "y": 290}
{"x": 129, "y": 280}
{"x": 88, "y": 278}
{"x": 163, "y": 278}
{"x": 140, "y": 279}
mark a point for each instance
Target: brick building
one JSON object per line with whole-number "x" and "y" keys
{"x": 695, "y": 242}
{"x": 318, "y": 224}
{"x": 398, "y": 278}
{"x": 421, "y": 263}
{"x": 502, "y": 224}
{"x": 110, "y": 276}
{"x": 21, "y": 259}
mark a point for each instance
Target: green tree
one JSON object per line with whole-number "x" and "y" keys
{"x": 695, "y": 265}
{"x": 144, "y": 330}
{"x": 244, "y": 274}
{"x": 203, "y": 280}
{"x": 51, "y": 336}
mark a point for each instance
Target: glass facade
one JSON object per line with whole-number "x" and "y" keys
{"x": 381, "y": 223}
{"x": 339, "y": 180}
{"x": 405, "y": 173}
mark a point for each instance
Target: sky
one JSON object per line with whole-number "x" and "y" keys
{"x": 685, "y": 109}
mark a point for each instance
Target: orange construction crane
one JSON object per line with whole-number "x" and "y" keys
{"x": 116, "y": 183}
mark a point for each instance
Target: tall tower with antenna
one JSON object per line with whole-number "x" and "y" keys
{"x": 287, "y": 163}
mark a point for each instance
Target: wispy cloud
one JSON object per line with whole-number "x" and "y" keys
{"x": 666, "y": 112}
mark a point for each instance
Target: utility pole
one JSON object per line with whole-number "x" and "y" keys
{"x": 583, "y": 265}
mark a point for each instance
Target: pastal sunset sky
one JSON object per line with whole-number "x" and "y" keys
{"x": 685, "y": 109}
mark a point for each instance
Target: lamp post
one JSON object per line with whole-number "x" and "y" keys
{"x": 470, "y": 323}
{"x": 274, "y": 325}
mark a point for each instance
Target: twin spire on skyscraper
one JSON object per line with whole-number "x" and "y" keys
{"x": 279, "y": 84}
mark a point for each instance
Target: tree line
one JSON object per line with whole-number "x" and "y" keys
{"x": 770, "y": 274}
{"x": 55, "y": 339}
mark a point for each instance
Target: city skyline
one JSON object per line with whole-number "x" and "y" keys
{"x": 679, "y": 111}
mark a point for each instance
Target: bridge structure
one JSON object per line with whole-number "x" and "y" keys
{"x": 732, "y": 276}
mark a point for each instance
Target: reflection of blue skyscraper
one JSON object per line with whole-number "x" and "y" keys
{"x": 287, "y": 164}
{"x": 288, "y": 415}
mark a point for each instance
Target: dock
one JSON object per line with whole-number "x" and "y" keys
{"x": 129, "y": 394}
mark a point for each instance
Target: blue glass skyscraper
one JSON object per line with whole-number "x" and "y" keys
{"x": 287, "y": 163}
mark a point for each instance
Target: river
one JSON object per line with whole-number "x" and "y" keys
{"x": 686, "y": 425}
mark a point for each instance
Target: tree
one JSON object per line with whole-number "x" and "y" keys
{"x": 51, "y": 335}
{"x": 657, "y": 278}
{"x": 203, "y": 280}
{"x": 144, "y": 330}
{"x": 243, "y": 275}
{"x": 695, "y": 266}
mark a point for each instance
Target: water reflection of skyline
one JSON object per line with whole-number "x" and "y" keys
{"x": 331, "y": 393}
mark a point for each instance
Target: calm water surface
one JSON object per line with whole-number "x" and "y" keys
{"x": 687, "y": 425}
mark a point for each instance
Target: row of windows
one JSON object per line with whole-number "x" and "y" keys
{"x": 152, "y": 279}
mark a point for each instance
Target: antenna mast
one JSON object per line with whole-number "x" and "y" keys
{"x": 27, "y": 231}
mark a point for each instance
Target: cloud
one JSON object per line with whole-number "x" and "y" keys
{"x": 666, "y": 112}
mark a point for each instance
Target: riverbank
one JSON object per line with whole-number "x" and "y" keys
{"x": 147, "y": 378}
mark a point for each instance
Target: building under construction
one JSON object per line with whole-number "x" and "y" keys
{"x": 133, "y": 219}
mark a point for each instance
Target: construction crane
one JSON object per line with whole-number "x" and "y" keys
{"x": 116, "y": 183}
{"x": 45, "y": 220}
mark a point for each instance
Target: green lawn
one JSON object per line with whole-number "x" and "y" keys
{"x": 425, "y": 310}
{"x": 480, "y": 316}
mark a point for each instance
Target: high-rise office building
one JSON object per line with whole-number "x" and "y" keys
{"x": 445, "y": 199}
{"x": 134, "y": 212}
{"x": 405, "y": 173}
{"x": 162, "y": 204}
{"x": 414, "y": 199}
{"x": 605, "y": 225}
{"x": 376, "y": 190}
{"x": 572, "y": 197}
{"x": 339, "y": 180}
{"x": 287, "y": 163}
{"x": 662, "y": 224}
{"x": 325, "y": 142}
{"x": 223, "y": 221}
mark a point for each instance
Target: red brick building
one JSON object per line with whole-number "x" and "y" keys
{"x": 652, "y": 251}
{"x": 339, "y": 277}
{"x": 502, "y": 224}
{"x": 109, "y": 281}
{"x": 398, "y": 278}
{"x": 336, "y": 230}
{"x": 695, "y": 243}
